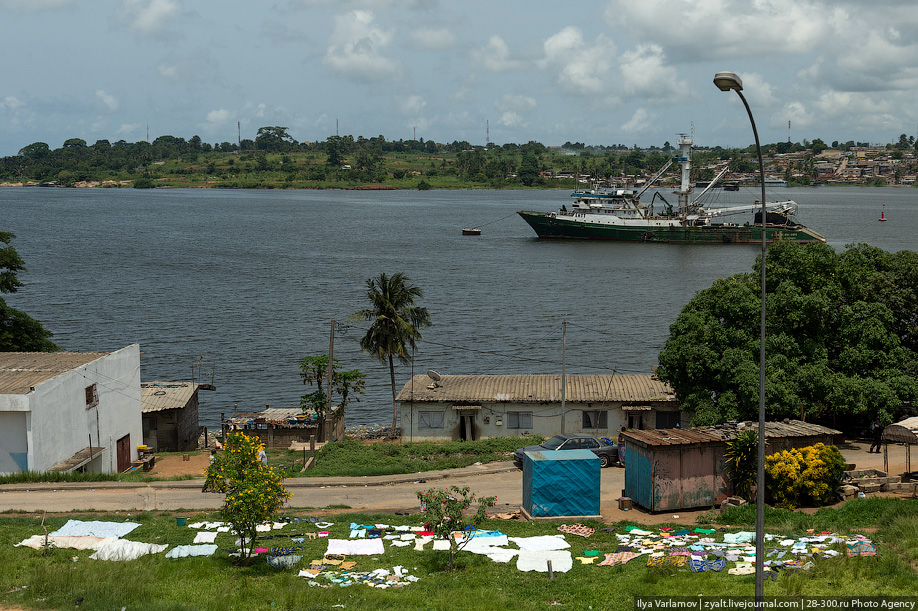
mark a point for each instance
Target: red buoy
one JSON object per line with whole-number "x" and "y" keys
{"x": 883, "y": 214}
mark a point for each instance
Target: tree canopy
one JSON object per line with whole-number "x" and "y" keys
{"x": 19, "y": 332}
{"x": 841, "y": 338}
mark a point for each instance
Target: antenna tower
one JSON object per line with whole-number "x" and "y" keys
{"x": 239, "y": 133}
{"x": 487, "y": 132}
{"x": 788, "y": 132}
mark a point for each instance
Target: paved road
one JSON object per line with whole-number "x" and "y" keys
{"x": 386, "y": 494}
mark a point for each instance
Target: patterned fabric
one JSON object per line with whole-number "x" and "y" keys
{"x": 618, "y": 558}
{"x": 576, "y": 529}
{"x": 667, "y": 561}
{"x": 697, "y": 565}
{"x": 285, "y": 551}
{"x": 860, "y": 548}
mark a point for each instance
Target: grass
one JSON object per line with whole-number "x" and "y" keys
{"x": 352, "y": 458}
{"x": 154, "y": 583}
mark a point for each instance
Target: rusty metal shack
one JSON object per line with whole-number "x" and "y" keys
{"x": 275, "y": 427}
{"x": 169, "y": 412}
{"x": 671, "y": 469}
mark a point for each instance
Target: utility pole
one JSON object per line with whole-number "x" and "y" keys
{"x": 331, "y": 372}
{"x": 563, "y": 364}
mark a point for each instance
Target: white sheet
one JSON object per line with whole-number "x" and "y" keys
{"x": 528, "y": 560}
{"x": 184, "y": 551}
{"x": 36, "y": 541}
{"x": 205, "y": 537}
{"x": 355, "y": 547}
{"x": 121, "y": 549}
{"x": 543, "y": 543}
{"x": 78, "y": 528}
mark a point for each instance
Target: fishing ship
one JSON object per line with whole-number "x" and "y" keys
{"x": 618, "y": 214}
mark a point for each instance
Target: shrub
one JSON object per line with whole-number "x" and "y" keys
{"x": 804, "y": 476}
{"x": 443, "y": 511}
{"x": 742, "y": 461}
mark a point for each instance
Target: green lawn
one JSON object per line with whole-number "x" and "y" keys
{"x": 57, "y": 579}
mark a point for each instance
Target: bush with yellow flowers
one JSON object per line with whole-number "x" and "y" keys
{"x": 804, "y": 476}
{"x": 254, "y": 491}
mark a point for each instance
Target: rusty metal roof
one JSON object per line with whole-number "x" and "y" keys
{"x": 20, "y": 371}
{"x": 537, "y": 388}
{"x": 725, "y": 432}
{"x": 160, "y": 396}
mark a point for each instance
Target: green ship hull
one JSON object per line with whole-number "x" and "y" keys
{"x": 665, "y": 230}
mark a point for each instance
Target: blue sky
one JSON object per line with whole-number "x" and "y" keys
{"x": 599, "y": 72}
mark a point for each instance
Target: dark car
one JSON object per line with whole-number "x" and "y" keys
{"x": 608, "y": 454}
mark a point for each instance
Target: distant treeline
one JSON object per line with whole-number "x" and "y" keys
{"x": 276, "y": 160}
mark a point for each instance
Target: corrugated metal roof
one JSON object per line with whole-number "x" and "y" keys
{"x": 21, "y": 370}
{"x": 159, "y": 396}
{"x": 725, "y": 432}
{"x": 537, "y": 388}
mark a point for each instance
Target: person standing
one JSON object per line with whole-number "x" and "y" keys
{"x": 876, "y": 429}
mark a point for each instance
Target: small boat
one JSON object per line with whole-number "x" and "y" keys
{"x": 471, "y": 231}
{"x": 882, "y": 214}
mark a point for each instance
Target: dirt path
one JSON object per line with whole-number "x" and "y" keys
{"x": 175, "y": 465}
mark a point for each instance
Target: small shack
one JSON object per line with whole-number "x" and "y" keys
{"x": 169, "y": 413}
{"x": 905, "y": 432}
{"x": 561, "y": 484}
{"x": 671, "y": 469}
{"x": 275, "y": 427}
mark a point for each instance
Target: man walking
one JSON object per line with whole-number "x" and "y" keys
{"x": 876, "y": 429}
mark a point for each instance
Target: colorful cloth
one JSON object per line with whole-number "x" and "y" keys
{"x": 618, "y": 558}
{"x": 576, "y": 529}
{"x": 697, "y": 565}
{"x": 860, "y": 548}
{"x": 667, "y": 561}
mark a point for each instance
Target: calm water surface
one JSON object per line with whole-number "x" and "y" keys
{"x": 248, "y": 281}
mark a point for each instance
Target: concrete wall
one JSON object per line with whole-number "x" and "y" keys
{"x": 495, "y": 420}
{"x": 14, "y": 446}
{"x": 61, "y": 424}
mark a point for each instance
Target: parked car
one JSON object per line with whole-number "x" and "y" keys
{"x": 607, "y": 453}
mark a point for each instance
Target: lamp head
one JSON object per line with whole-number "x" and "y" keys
{"x": 726, "y": 81}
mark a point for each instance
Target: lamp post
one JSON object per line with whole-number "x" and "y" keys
{"x": 726, "y": 81}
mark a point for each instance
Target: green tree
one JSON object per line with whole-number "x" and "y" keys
{"x": 396, "y": 326}
{"x": 529, "y": 169}
{"x": 346, "y": 384}
{"x": 274, "y": 139}
{"x": 254, "y": 491}
{"x": 19, "y": 332}
{"x": 840, "y": 338}
{"x": 444, "y": 514}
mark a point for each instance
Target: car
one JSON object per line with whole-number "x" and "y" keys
{"x": 607, "y": 453}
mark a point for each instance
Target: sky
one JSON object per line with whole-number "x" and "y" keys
{"x": 632, "y": 72}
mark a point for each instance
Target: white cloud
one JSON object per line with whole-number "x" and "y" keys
{"x": 148, "y": 17}
{"x": 11, "y": 103}
{"x": 412, "y": 105}
{"x": 645, "y": 75}
{"x": 520, "y": 103}
{"x": 109, "y": 101}
{"x": 168, "y": 71}
{"x": 356, "y": 49}
{"x": 640, "y": 121}
{"x": 128, "y": 128}
{"x": 579, "y": 68}
{"x": 495, "y": 56}
{"x": 221, "y": 115}
{"x": 434, "y": 39}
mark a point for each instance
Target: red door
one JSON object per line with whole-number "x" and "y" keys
{"x": 123, "y": 450}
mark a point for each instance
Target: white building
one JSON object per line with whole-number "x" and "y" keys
{"x": 70, "y": 410}
{"x": 480, "y": 406}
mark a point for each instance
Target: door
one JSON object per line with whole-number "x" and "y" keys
{"x": 467, "y": 427}
{"x": 123, "y": 452}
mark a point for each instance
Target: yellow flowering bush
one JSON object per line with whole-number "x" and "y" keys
{"x": 254, "y": 491}
{"x": 804, "y": 476}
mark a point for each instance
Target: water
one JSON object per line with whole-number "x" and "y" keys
{"x": 248, "y": 281}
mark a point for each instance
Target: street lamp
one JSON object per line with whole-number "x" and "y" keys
{"x": 726, "y": 81}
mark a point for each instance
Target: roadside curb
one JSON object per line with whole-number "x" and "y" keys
{"x": 298, "y": 482}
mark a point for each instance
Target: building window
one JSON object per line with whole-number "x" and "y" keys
{"x": 595, "y": 419}
{"x": 92, "y": 396}
{"x": 519, "y": 420}
{"x": 431, "y": 420}
{"x": 668, "y": 420}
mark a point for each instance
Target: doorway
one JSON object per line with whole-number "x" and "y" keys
{"x": 467, "y": 427}
{"x": 123, "y": 452}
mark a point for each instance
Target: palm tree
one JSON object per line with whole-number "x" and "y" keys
{"x": 396, "y": 324}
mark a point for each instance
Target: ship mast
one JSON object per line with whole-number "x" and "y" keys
{"x": 685, "y": 160}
